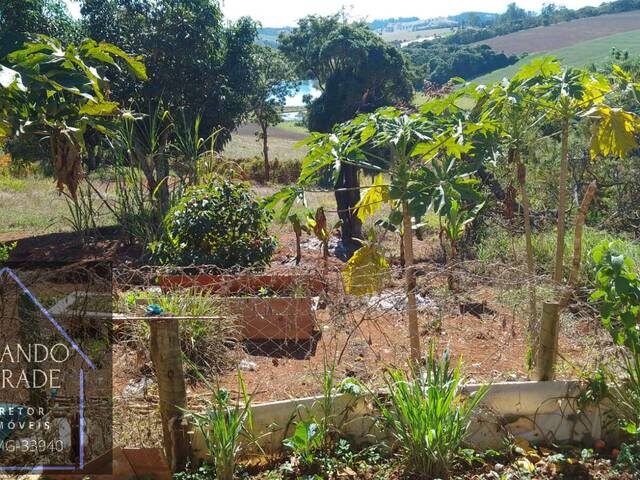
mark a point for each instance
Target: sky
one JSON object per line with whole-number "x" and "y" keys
{"x": 280, "y": 13}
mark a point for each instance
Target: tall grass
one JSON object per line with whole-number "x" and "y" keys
{"x": 427, "y": 414}
{"x": 500, "y": 245}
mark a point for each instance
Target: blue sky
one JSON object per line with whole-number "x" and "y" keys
{"x": 277, "y": 13}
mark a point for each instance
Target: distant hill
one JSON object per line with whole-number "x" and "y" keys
{"x": 269, "y": 35}
{"x": 581, "y": 54}
{"x": 565, "y": 34}
{"x": 474, "y": 18}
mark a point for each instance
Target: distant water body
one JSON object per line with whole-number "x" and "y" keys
{"x": 306, "y": 87}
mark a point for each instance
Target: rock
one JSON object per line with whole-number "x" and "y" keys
{"x": 136, "y": 389}
{"x": 248, "y": 365}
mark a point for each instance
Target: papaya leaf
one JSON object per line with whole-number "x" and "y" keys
{"x": 614, "y": 132}
{"x": 372, "y": 199}
{"x": 366, "y": 272}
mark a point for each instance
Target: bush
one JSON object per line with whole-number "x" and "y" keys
{"x": 221, "y": 225}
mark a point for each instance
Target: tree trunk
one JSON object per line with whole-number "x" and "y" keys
{"x": 298, "y": 249}
{"x": 531, "y": 268}
{"x": 562, "y": 204}
{"x": 347, "y": 196}
{"x": 162, "y": 174}
{"x": 410, "y": 275}
{"x": 546, "y": 361}
{"x": 265, "y": 153}
{"x": 166, "y": 356}
{"x": 577, "y": 243}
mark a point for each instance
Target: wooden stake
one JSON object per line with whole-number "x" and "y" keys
{"x": 410, "y": 275}
{"x": 577, "y": 243}
{"x": 531, "y": 267}
{"x": 548, "y": 348}
{"x": 166, "y": 356}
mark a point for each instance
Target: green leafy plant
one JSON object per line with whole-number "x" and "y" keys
{"x": 427, "y": 415}
{"x": 5, "y": 251}
{"x": 618, "y": 297}
{"x": 57, "y": 92}
{"x": 224, "y": 423}
{"x": 305, "y": 443}
{"x": 221, "y": 224}
{"x": 316, "y": 435}
{"x": 617, "y": 293}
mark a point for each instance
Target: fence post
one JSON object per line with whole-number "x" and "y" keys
{"x": 166, "y": 356}
{"x": 548, "y": 342}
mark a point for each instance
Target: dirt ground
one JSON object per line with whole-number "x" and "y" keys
{"x": 363, "y": 337}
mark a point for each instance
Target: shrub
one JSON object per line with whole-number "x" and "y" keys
{"x": 5, "y": 251}
{"x": 221, "y": 225}
{"x": 427, "y": 415}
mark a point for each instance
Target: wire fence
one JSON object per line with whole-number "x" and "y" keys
{"x": 281, "y": 328}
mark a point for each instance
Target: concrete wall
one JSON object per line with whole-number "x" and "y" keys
{"x": 541, "y": 412}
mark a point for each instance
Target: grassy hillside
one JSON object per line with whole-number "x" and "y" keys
{"x": 565, "y": 34}
{"x": 579, "y": 55}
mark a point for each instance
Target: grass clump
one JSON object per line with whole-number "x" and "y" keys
{"x": 206, "y": 344}
{"x": 427, "y": 415}
{"x": 224, "y": 423}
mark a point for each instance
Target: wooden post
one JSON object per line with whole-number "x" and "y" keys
{"x": 548, "y": 343}
{"x": 577, "y": 243}
{"x": 412, "y": 310}
{"x": 166, "y": 356}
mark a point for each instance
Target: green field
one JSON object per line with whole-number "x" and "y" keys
{"x": 579, "y": 55}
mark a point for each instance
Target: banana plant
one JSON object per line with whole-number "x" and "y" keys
{"x": 56, "y": 92}
{"x": 456, "y": 219}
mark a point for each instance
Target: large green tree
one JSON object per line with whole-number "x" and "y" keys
{"x": 21, "y": 18}
{"x": 195, "y": 61}
{"x": 357, "y": 72}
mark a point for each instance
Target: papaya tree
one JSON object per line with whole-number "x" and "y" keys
{"x": 397, "y": 148}
{"x": 55, "y": 93}
{"x": 514, "y": 104}
{"x": 568, "y": 96}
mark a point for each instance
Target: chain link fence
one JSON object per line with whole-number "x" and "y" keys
{"x": 283, "y": 327}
